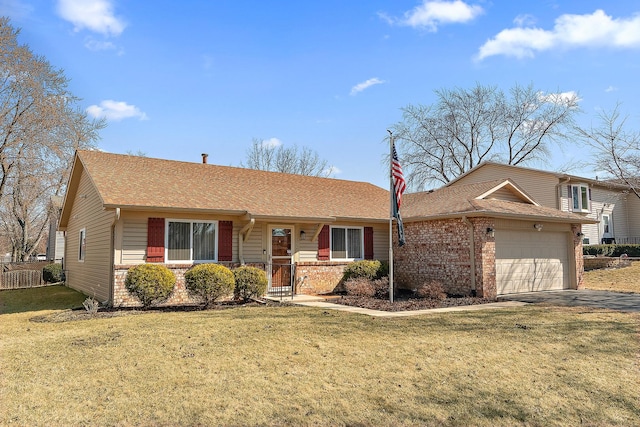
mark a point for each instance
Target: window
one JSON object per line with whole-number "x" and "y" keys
{"x": 580, "y": 198}
{"x": 82, "y": 244}
{"x": 189, "y": 241}
{"x": 346, "y": 243}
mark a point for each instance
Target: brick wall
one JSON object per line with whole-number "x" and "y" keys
{"x": 179, "y": 296}
{"x": 595, "y": 263}
{"x": 319, "y": 277}
{"x": 440, "y": 250}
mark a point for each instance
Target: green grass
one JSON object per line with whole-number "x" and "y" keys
{"x": 36, "y": 299}
{"x": 535, "y": 366}
{"x": 626, "y": 279}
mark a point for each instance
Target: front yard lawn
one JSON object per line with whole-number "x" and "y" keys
{"x": 626, "y": 279}
{"x": 289, "y": 365}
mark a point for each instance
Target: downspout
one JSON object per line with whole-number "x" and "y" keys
{"x": 112, "y": 251}
{"x": 241, "y": 238}
{"x": 472, "y": 254}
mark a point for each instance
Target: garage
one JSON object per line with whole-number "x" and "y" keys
{"x": 529, "y": 261}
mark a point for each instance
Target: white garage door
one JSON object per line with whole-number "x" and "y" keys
{"x": 528, "y": 261}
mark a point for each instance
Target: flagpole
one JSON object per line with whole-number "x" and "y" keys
{"x": 391, "y": 190}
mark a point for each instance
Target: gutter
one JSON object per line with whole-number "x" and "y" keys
{"x": 472, "y": 253}
{"x": 243, "y": 235}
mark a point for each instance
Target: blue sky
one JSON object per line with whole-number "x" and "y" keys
{"x": 177, "y": 79}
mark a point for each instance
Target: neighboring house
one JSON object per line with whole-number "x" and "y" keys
{"x": 615, "y": 210}
{"x": 120, "y": 211}
{"x": 55, "y": 241}
{"x": 487, "y": 239}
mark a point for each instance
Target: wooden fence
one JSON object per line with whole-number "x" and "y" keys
{"x": 21, "y": 279}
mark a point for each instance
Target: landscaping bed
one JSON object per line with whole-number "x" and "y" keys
{"x": 406, "y": 302}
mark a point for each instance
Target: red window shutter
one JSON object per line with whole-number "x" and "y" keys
{"x": 225, "y": 241}
{"x": 323, "y": 244}
{"x": 368, "y": 243}
{"x": 155, "y": 240}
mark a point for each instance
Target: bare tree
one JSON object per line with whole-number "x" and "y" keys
{"x": 40, "y": 129}
{"x": 463, "y": 128}
{"x": 277, "y": 158}
{"x": 617, "y": 148}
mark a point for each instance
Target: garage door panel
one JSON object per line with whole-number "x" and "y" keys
{"x": 531, "y": 261}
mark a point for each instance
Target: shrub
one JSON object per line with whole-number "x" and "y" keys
{"x": 52, "y": 273}
{"x": 612, "y": 250}
{"x": 251, "y": 282}
{"x": 209, "y": 282}
{"x": 359, "y": 287}
{"x": 368, "y": 269}
{"x": 91, "y": 305}
{"x": 431, "y": 289}
{"x": 151, "y": 283}
{"x": 381, "y": 287}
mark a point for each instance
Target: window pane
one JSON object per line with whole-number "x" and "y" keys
{"x": 179, "y": 244}
{"x": 204, "y": 241}
{"x": 338, "y": 243}
{"x": 354, "y": 243}
{"x": 576, "y": 197}
{"x": 585, "y": 198}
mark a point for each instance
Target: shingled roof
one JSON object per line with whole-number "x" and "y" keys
{"x": 143, "y": 183}
{"x": 480, "y": 199}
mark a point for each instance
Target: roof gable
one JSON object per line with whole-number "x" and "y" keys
{"x": 499, "y": 198}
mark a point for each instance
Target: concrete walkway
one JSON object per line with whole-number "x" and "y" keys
{"x": 587, "y": 298}
{"x": 321, "y": 302}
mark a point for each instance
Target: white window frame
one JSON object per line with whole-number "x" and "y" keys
{"x": 190, "y": 222}
{"x": 346, "y": 227}
{"x": 582, "y": 189}
{"x": 82, "y": 244}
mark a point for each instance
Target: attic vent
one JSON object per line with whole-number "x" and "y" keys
{"x": 204, "y": 158}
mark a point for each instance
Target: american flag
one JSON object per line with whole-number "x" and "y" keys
{"x": 399, "y": 184}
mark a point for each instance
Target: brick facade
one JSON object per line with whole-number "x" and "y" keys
{"x": 440, "y": 250}
{"x": 319, "y": 277}
{"x": 310, "y": 278}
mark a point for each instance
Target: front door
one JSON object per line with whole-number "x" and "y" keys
{"x": 280, "y": 259}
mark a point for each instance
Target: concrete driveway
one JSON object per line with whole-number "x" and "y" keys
{"x": 584, "y": 297}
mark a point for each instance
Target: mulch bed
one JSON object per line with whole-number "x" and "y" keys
{"x": 404, "y": 303}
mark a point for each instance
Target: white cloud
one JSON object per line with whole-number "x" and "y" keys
{"x": 332, "y": 171}
{"x": 364, "y": 85}
{"x": 611, "y": 89}
{"x": 570, "y": 31}
{"x": 271, "y": 143}
{"x": 524, "y": 20}
{"x": 570, "y": 97}
{"x": 94, "y": 15}
{"x": 115, "y": 111}
{"x": 97, "y": 45}
{"x": 431, "y": 14}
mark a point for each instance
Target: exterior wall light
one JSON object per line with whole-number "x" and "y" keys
{"x": 490, "y": 232}
{"x": 580, "y": 234}
{"x": 303, "y": 235}
{"x": 537, "y": 227}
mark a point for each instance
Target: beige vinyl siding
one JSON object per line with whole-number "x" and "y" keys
{"x": 308, "y": 250}
{"x": 633, "y": 218}
{"x": 93, "y": 276}
{"x": 539, "y": 185}
{"x": 131, "y": 241}
{"x": 505, "y": 194}
{"x": 134, "y": 241}
{"x": 254, "y": 246}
